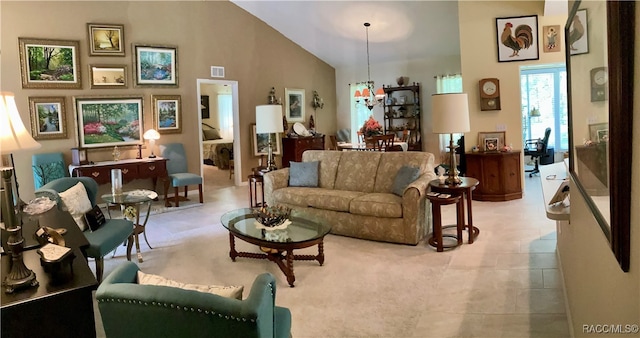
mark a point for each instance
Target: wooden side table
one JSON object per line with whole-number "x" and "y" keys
{"x": 464, "y": 190}
{"x": 436, "y": 239}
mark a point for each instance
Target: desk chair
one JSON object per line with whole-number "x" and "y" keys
{"x": 108, "y": 236}
{"x": 537, "y": 149}
{"x": 178, "y": 171}
{"x": 48, "y": 167}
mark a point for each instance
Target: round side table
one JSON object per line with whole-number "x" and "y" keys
{"x": 464, "y": 190}
{"x": 436, "y": 239}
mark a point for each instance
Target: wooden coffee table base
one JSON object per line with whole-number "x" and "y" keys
{"x": 279, "y": 253}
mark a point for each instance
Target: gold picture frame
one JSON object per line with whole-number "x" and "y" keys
{"x": 108, "y": 76}
{"x": 167, "y": 113}
{"x": 495, "y": 139}
{"x": 63, "y": 70}
{"x": 105, "y": 39}
{"x": 48, "y": 117}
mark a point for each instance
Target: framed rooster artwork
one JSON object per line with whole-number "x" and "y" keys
{"x": 517, "y": 38}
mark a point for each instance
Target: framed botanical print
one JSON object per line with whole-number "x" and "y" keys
{"x": 107, "y": 121}
{"x": 106, "y": 39}
{"x": 155, "y": 66}
{"x": 108, "y": 76}
{"x": 48, "y": 117}
{"x": 261, "y": 142}
{"x": 167, "y": 113}
{"x": 517, "y": 38}
{"x": 49, "y": 64}
{"x": 294, "y": 104}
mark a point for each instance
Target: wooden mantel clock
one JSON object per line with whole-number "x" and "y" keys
{"x": 489, "y": 94}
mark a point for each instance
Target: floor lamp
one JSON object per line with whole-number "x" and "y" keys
{"x": 450, "y": 114}
{"x": 269, "y": 121}
{"x": 14, "y": 137}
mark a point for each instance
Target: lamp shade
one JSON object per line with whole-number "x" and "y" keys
{"x": 269, "y": 119}
{"x": 151, "y": 134}
{"x": 13, "y": 134}
{"x": 450, "y": 113}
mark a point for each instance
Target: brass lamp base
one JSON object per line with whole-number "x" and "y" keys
{"x": 453, "y": 178}
{"x": 20, "y": 276}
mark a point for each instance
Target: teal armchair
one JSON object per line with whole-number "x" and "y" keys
{"x": 106, "y": 238}
{"x": 132, "y": 310}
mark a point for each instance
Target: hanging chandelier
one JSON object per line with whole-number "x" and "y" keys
{"x": 370, "y": 100}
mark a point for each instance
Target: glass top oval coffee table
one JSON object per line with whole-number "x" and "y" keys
{"x": 277, "y": 245}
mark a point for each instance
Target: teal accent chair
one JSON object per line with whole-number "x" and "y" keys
{"x": 47, "y": 167}
{"x": 132, "y": 310}
{"x": 179, "y": 176}
{"x": 108, "y": 236}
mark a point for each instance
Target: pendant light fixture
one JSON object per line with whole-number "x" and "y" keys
{"x": 370, "y": 100}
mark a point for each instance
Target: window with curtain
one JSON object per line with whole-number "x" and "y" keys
{"x": 359, "y": 112}
{"x": 225, "y": 115}
{"x": 448, "y": 84}
{"x": 544, "y": 104}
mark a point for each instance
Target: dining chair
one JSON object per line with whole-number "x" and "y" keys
{"x": 47, "y": 167}
{"x": 178, "y": 171}
{"x": 384, "y": 142}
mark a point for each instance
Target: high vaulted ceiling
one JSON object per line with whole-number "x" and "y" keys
{"x": 334, "y": 30}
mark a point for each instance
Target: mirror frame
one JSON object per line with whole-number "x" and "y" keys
{"x": 620, "y": 32}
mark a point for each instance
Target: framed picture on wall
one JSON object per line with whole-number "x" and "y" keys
{"x": 578, "y": 37}
{"x": 261, "y": 142}
{"x": 155, "y": 66}
{"x": 204, "y": 106}
{"x": 49, "y": 64}
{"x": 108, "y": 76}
{"x": 48, "y": 117}
{"x": 105, "y": 39}
{"x": 167, "y": 113}
{"x": 294, "y": 104}
{"x": 104, "y": 121}
{"x": 517, "y": 38}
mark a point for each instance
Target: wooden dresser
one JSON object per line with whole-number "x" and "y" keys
{"x": 499, "y": 173}
{"x": 132, "y": 169}
{"x": 293, "y": 147}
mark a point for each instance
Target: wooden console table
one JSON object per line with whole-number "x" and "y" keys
{"x": 499, "y": 174}
{"x": 132, "y": 169}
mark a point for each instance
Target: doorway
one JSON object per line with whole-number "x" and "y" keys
{"x": 220, "y": 111}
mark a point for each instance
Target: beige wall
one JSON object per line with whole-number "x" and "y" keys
{"x": 206, "y": 33}
{"x": 598, "y": 292}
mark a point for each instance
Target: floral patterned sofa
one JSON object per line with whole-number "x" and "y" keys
{"x": 354, "y": 193}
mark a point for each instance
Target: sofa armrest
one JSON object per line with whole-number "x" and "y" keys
{"x": 273, "y": 181}
{"x": 414, "y": 211}
{"x": 422, "y": 183}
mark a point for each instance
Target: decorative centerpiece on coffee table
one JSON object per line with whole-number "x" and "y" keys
{"x": 272, "y": 217}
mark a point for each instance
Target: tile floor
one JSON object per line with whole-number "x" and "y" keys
{"x": 506, "y": 284}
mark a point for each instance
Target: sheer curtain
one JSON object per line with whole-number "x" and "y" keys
{"x": 359, "y": 112}
{"x": 451, "y": 83}
{"x": 225, "y": 116}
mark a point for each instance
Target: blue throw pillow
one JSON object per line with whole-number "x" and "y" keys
{"x": 303, "y": 174}
{"x": 405, "y": 176}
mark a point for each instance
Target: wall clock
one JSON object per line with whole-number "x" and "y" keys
{"x": 489, "y": 94}
{"x": 599, "y": 80}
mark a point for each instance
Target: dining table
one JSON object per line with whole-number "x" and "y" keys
{"x": 344, "y": 146}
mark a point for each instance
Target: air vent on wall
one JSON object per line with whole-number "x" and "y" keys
{"x": 217, "y": 71}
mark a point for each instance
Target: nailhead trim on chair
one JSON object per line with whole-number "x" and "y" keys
{"x": 177, "y": 307}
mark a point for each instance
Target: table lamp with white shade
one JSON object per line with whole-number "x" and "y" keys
{"x": 269, "y": 120}
{"x": 152, "y": 135}
{"x": 450, "y": 114}
{"x": 14, "y": 137}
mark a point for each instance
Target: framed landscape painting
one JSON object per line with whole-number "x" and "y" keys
{"x": 294, "y": 104}
{"x": 106, "y": 39}
{"x": 155, "y": 66}
{"x": 48, "y": 117}
{"x": 49, "y": 64}
{"x": 167, "y": 113}
{"x": 108, "y": 121}
{"x": 108, "y": 76}
{"x": 261, "y": 142}
{"x": 517, "y": 38}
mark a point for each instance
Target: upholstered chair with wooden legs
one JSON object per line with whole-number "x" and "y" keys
{"x": 178, "y": 171}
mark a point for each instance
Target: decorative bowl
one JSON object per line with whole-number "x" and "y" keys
{"x": 271, "y": 216}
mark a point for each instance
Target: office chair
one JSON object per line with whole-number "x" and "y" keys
{"x": 537, "y": 149}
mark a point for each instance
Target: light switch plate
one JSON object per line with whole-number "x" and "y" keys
{"x": 501, "y": 127}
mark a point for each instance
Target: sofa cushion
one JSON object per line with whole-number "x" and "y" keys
{"x": 224, "y": 291}
{"x": 405, "y": 176}
{"x": 328, "y": 167}
{"x": 357, "y": 171}
{"x": 377, "y": 205}
{"x": 328, "y": 199}
{"x": 76, "y": 201}
{"x": 303, "y": 174}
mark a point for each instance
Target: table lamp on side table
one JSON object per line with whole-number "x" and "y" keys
{"x": 14, "y": 137}
{"x": 450, "y": 115}
{"x": 152, "y": 135}
{"x": 269, "y": 121}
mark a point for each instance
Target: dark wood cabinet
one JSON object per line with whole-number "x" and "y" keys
{"x": 132, "y": 169}
{"x": 402, "y": 111}
{"x": 293, "y": 147}
{"x": 499, "y": 173}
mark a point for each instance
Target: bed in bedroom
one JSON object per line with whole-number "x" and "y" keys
{"x": 215, "y": 149}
